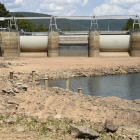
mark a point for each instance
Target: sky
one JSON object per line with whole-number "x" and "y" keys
{"x": 75, "y": 7}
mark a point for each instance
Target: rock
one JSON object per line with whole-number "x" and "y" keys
{"x": 29, "y": 120}
{"x": 8, "y": 90}
{"x": 83, "y": 132}
{"x": 11, "y": 101}
{"x": 20, "y": 129}
{"x": 19, "y": 84}
{"x": 16, "y": 90}
{"x": 137, "y": 102}
{"x": 110, "y": 127}
{"x": 1, "y": 121}
{"x": 52, "y": 128}
{"x": 11, "y": 120}
{"x": 126, "y": 139}
{"x": 24, "y": 86}
{"x": 99, "y": 127}
{"x": 59, "y": 117}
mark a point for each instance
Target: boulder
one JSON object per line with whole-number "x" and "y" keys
{"x": 52, "y": 128}
{"x": 58, "y": 116}
{"x": 20, "y": 129}
{"x": 110, "y": 126}
{"x": 1, "y": 121}
{"x": 11, "y": 101}
{"x": 83, "y": 132}
{"x": 11, "y": 120}
{"x": 24, "y": 86}
{"x": 16, "y": 90}
{"x": 8, "y": 90}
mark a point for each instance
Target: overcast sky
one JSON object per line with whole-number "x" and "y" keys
{"x": 75, "y": 7}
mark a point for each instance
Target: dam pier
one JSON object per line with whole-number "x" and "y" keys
{"x": 55, "y": 43}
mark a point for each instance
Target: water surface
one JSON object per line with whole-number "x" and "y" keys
{"x": 122, "y": 86}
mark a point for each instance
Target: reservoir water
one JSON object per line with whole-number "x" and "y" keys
{"x": 122, "y": 86}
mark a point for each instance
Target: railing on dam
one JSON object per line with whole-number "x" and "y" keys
{"x": 53, "y": 20}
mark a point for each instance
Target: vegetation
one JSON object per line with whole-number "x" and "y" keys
{"x": 3, "y": 13}
{"x": 49, "y": 128}
{"x": 29, "y": 26}
{"x": 129, "y": 25}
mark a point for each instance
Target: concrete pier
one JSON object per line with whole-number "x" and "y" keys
{"x": 0, "y": 43}
{"x": 10, "y": 44}
{"x": 53, "y": 47}
{"x": 135, "y": 44}
{"x": 94, "y": 43}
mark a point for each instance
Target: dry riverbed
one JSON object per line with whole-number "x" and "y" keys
{"x": 29, "y": 111}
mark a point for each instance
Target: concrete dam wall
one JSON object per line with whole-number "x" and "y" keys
{"x": 91, "y": 45}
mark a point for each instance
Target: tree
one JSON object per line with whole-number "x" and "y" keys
{"x": 66, "y": 29}
{"x": 129, "y": 25}
{"x": 3, "y": 13}
{"x": 26, "y": 25}
{"x": 41, "y": 28}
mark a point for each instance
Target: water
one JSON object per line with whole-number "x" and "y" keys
{"x": 122, "y": 86}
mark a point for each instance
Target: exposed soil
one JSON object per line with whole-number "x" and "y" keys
{"x": 43, "y": 102}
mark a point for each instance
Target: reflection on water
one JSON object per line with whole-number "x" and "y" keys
{"x": 122, "y": 86}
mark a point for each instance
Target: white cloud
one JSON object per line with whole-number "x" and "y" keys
{"x": 135, "y": 9}
{"x": 51, "y": 7}
{"x": 84, "y": 3}
{"x": 120, "y": 2}
{"x": 106, "y": 9}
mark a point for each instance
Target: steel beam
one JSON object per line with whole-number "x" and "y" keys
{"x": 7, "y": 18}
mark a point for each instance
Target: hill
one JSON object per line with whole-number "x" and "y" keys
{"x": 76, "y": 25}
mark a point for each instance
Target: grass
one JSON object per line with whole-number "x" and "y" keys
{"x": 40, "y": 130}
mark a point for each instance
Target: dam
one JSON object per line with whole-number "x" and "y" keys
{"x": 56, "y": 43}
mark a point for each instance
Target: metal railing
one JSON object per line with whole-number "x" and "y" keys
{"x": 53, "y": 20}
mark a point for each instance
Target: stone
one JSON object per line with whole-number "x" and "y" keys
{"x": 16, "y": 90}
{"x": 19, "y": 84}
{"x": 8, "y": 90}
{"x": 110, "y": 127}
{"x": 11, "y": 120}
{"x": 24, "y": 86}
{"x": 20, "y": 129}
{"x": 11, "y": 101}
{"x": 59, "y": 117}
{"x": 83, "y": 132}
{"x": 126, "y": 139}
{"x": 52, "y": 128}
{"x": 99, "y": 127}
{"x": 1, "y": 121}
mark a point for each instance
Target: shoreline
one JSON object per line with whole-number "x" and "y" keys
{"x": 24, "y": 97}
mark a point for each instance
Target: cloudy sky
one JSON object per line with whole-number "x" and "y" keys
{"x": 75, "y": 7}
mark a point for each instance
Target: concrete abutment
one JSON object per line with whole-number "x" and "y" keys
{"x": 135, "y": 44}
{"x": 53, "y": 47}
{"x": 10, "y": 44}
{"x": 94, "y": 44}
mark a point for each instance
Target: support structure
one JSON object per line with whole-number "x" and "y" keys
{"x": 53, "y": 47}
{"x": 135, "y": 44}
{"x": 94, "y": 43}
{"x": 67, "y": 84}
{"x": 10, "y": 44}
{"x": 0, "y": 43}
